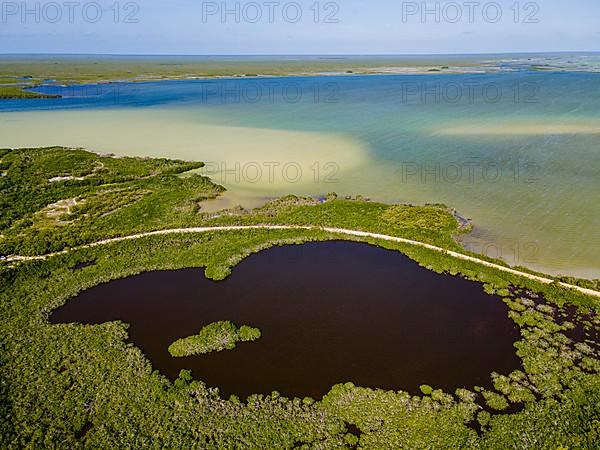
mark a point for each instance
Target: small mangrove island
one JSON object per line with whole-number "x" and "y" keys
{"x": 215, "y": 337}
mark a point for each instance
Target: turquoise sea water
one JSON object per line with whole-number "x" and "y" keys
{"x": 516, "y": 151}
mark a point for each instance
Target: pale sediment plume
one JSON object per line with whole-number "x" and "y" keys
{"x": 547, "y": 127}
{"x": 238, "y": 157}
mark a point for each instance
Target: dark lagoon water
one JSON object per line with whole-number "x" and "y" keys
{"x": 329, "y": 313}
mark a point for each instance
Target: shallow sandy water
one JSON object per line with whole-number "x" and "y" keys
{"x": 540, "y": 212}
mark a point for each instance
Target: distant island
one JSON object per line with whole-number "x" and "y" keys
{"x": 21, "y": 72}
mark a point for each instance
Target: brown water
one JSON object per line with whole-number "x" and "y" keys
{"x": 329, "y": 313}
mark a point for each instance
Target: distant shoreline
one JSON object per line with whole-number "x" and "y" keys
{"x": 24, "y": 71}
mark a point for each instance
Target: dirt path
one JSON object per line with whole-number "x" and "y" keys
{"x": 342, "y": 231}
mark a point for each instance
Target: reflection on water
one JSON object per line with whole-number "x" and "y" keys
{"x": 329, "y": 313}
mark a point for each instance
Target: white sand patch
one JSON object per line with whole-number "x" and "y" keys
{"x": 546, "y": 127}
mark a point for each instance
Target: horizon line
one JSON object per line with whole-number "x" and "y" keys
{"x": 299, "y": 54}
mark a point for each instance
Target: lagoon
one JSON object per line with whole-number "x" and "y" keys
{"x": 329, "y": 313}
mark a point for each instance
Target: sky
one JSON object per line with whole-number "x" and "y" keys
{"x": 301, "y": 27}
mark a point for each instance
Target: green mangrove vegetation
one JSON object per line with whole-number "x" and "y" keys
{"x": 104, "y": 68}
{"x": 83, "y": 386}
{"x": 53, "y": 198}
{"x": 15, "y": 91}
{"x": 215, "y": 337}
